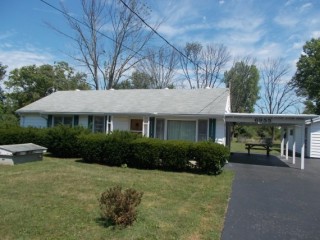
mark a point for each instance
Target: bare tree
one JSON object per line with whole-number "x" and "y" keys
{"x": 160, "y": 65}
{"x": 203, "y": 65}
{"x": 109, "y": 38}
{"x": 277, "y": 95}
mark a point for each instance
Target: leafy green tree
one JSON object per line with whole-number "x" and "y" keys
{"x": 138, "y": 80}
{"x": 307, "y": 76}
{"x": 2, "y": 74}
{"x": 2, "y": 71}
{"x": 30, "y": 83}
{"x": 242, "y": 79}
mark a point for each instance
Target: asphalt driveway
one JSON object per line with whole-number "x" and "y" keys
{"x": 273, "y": 199}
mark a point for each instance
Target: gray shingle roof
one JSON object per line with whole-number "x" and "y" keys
{"x": 143, "y": 101}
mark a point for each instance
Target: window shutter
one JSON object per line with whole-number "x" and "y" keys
{"x": 75, "y": 120}
{"x": 151, "y": 127}
{"x": 212, "y": 129}
{"x": 49, "y": 121}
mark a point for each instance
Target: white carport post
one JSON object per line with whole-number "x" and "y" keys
{"x": 282, "y": 142}
{"x": 302, "y": 145}
{"x": 287, "y": 143}
{"x": 294, "y": 146}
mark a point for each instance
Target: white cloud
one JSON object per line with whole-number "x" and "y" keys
{"x": 297, "y": 45}
{"x": 305, "y": 7}
{"x": 315, "y": 34}
{"x": 246, "y": 24}
{"x": 6, "y": 34}
{"x": 269, "y": 50}
{"x": 19, "y": 58}
{"x": 246, "y": 38}
{"x": 286, "y": 20}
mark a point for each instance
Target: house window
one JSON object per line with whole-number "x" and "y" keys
{"x": 181, "y": 130}
{"x": 68, "y": 121}
{"x": 160, "y": 128}
{"x": 57, "y": 120}
{"x": 136, "y": 125}
{"x": 202, "y": 130}
{"x": 291, "y": 132}
{"x": 98, "y": 124}
{"x": 62, "y": 120}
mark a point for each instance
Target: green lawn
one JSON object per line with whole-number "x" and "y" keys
{"x": 58, "y": 199}
{"x": 240, "y": 147}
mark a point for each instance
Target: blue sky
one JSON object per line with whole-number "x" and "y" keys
{"x": 260, "y": 28}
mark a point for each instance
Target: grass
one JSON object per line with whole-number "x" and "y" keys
{"x": 58, "y": 199}
{"x": 240, "y": 147}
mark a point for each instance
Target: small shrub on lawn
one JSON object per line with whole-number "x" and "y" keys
{"x": 119, "y": 207}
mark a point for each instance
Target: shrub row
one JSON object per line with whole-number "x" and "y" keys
{"x": 61, "y": 141}
{"x": 121, "y": 148}
{"x": 148, "y": 153}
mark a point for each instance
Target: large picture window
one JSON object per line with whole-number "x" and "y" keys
{"x": 181, "y": 130}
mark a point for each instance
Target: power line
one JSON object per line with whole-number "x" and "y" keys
{"x": 159, "y": 35}
{"x": 128, "y": 48}
{"x": 102, "y": 34}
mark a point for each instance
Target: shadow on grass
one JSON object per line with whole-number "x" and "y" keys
{"x": 188, "y": 169}
{"x": 105, "y": 223}
{"x": 257, "y": 159}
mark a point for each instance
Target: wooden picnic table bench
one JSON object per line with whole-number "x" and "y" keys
{"x": 258, "y": 146}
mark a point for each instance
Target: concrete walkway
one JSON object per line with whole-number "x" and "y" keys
{"x": 273, "y": 199}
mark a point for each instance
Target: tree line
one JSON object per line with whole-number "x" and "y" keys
{"x": 130, "y": 61}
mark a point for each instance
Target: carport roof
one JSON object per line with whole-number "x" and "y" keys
{"x": 269, "y": 119}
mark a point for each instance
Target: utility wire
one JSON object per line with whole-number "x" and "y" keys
{"x": 102, "y": 34}
{"x": 159, "y": 35}
{"x": 128, "y": 48}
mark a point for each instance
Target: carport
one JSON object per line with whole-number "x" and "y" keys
{"x": 281, "y": 120}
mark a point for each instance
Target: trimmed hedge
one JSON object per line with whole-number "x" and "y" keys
{"x": 211, "y": 157}
{"x": 111, "y": 149}
{"x": 145, "y": 153}
{"x": 62, "y": 141}
{"x": 148, "y": 153}
{"x": 18, "y": 135}
{"x": 121, "y": 148}
{"x": 92, "y": 147}
{"x": 175, "y": 155}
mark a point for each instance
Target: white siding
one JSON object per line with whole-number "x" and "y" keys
{"x": 312, "y": 140}
{"x": 33, "y": 120}
{"x": 297, "y": 137}
{"x": 220, "y": 131}
{"x": 121, "y": 123}
{"x": 315, "y": 140}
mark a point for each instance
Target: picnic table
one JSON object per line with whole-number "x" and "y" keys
{"x": 259, "y": 146}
